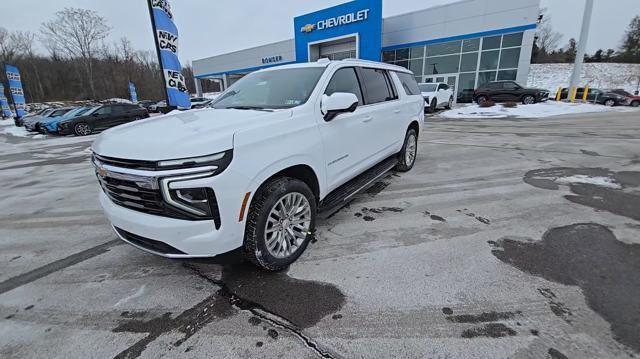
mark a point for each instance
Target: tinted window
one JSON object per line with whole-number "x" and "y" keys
{"x": 471, "y": 45}
{"x": 408, "y": 83}
{"x": 104, "y": 110}
{"x": 510, "y": 86}
{"x": 491, "y": 42}
{"x": 469, "y": 62}
{"x": 489, "y": 60}
{"x": 510, "y": 58}
{"x": 442, "y": 65}
{"x": 376, "y": 85}
{"x": 428, "y": 87}
{"x": 507, "y": 75}
{"x": 494, "y": 85}
{"x": 443, "y": 87}
{"x": 345, "y": 80}
{"x": 512, "y": 40}
{"x": 445, "y": 48}
{"x": 59, "y": 113}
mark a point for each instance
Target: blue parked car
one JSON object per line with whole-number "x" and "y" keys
{"x": 50, "y": 125}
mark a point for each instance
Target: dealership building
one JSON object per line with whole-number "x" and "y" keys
{"x": 464, "y": 44}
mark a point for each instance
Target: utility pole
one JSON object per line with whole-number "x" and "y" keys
{"x": 582, "y": 44}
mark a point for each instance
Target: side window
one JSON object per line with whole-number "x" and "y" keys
{"x": 409, "y": 83}
{"x": 510, "y": 86}
{"x": 106, "y": 110}
{"x": 376, "y": 84}
{"x": 443, "y": 87}
{"x": 494, "y": 86}
{"x": 345, "y": 80}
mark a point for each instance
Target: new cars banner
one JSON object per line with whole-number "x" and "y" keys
{"x": 15, "y": 87}
{"x": 166, "y": 36}
{"x": 4, "y": 104}
{"x": 132, "y": 92}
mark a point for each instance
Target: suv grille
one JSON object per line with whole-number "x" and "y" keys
{"x": 146, "y": 243}
{"x": 129, "y": 194}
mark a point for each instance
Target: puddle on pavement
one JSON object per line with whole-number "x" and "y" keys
{"x": 587, "y": 255}
{"x": 603, "y": 197}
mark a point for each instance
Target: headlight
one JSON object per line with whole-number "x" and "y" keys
{"x": 218, "y": 160}
{"x": 198, "y": 202}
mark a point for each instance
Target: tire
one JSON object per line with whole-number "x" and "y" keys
{"x": 433, "y": 106}
{"x": 528, "y": 100}
{"x": 449, "y": 104}
{"x": 610, "y": 103}
{"x": 82, "y": 129}
{"x": 481, "y": 99}
{"x": 409, "y": 152}
{"x": 261, "y": 229}
{"x": 635, "y": 103}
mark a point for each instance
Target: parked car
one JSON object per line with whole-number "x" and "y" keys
{"x": 509, "y": 91}
{"x": 198, "y": 102}
{"x": 598, "y": 96}
{"x": 20, "y": 121}
{"x": 160, "y": 107}
{"x": 280, "y": 148}
{"x": 50, "y": 125}
{"x": 633, "y": 100}
{"x": 436, "y": 95}
{"x": 33, "y": 124}
{"x": 101, "y": 118}
{"x": 147, "y": 103}
{"x": 201, "y": 104}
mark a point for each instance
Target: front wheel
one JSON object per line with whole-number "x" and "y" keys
{"x": 407, "y": 156}
{"x": 280, "y": 223}
{"x": 480, "y": 100}
{"x": 82, "y": 129}
{"x": 528, "y": 100}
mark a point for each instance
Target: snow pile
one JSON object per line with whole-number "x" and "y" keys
{"x": 538, "y": 110}
{"x": 598, "y": 181}
{"x": 15, "y": 131}
{"x": 596, "y": 75}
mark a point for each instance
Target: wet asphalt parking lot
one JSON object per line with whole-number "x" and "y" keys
{"x": 492, "y": 247}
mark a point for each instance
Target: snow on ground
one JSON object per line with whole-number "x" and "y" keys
{"x": 596, "y": 75}
{"x": 598, "y": 181}
{"x": 18, "y": 131}
{"x": 538, "y": 110}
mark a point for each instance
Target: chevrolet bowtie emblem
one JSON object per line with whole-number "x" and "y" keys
{"x": 308, "y": 28}
{"x": 102, "y": 172}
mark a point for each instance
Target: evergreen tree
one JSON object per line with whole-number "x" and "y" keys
{"x": 630, "y": 49}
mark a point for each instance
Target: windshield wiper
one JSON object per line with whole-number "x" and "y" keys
{"x": 256, "y": 108}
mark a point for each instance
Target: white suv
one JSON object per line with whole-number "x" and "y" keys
{"x": 279, "y": 148}
{"x": 436, "y": 94}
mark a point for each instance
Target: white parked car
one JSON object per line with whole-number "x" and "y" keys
{"x": 436, "y": 95}
{"x": 199, "y": 102}
{"x": 279, "y": 149}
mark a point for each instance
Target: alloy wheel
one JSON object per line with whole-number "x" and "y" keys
{"x": 411, "y": 149}
{"x": 609, "y": 103}
{"x": 82, "y": 129}
{"x": 287, "y": 225}
{"x": 529, "y": 100}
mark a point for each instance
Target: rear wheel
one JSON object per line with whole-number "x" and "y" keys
{"x": 610, "y": 103}
{"x": 528, "y": 100}
{"x": 407, "y": 156}
{"x": 481, "y": 100}
{"x": 82, "y": 129}
{"x": 635, "y": 103}
{"x": 280, "y": 223}
{"x": 449, "y": 103}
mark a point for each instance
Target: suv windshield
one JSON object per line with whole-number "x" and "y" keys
{"x": 427, "y": 87}
{"x": 275, "y": 89}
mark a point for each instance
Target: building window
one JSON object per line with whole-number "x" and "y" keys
{"x": 416, "y": 66}
{"x": 402, "y": 54}
{"x": 487, "y": 76}
{"x": 507, "y": 75}
{"x": 512, "y": 40}
{"x": 466, "y": 86}
{"x": 469, "y": 62}
{"x": 389, "y": 56}
{"x": 471, "y": 45}
{"x": 445, "y": 48}
{"x": 442, "y": 65}
{"x": 493, "y": 42}
{"x": 417, "y": 52}
{"x": 509, "y": 58}
{"x": 489, "y": 60}
{"x": 404, "y": 63}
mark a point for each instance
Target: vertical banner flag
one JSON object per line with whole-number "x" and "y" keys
{"x": 166, "y": 37}
{"x": 4, "y": 104}
{"x": 132, "y": 92}
{"x": 15, "y": 87}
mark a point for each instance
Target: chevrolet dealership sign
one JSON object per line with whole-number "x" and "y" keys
{"x": 341, "y": 20}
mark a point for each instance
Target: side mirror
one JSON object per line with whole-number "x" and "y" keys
{"x": 338, "y": 103}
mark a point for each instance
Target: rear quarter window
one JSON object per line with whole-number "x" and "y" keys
{"x": 409, "y": 83}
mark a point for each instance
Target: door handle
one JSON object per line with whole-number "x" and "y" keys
{"x": 367, "y": 119}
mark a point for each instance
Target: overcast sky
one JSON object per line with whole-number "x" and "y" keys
{"x": 212, "y": 27}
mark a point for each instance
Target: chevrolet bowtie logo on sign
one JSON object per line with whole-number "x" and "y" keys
{"x": 308, "y": 28}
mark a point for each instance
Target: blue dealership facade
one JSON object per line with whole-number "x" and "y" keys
{"x": 464, "y": 44}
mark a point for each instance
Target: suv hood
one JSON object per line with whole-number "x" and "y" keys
{"x": 181, "y": 134}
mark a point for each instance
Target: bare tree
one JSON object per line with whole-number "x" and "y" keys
{"x": 547, "y": 39}
{"x": 8, "y": 46}
{"x": 76, "y": 33}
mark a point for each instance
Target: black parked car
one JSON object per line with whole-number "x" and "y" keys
{"x": 509, "y": 91}
{"x": 603, "y": 97}
{"x": 102, "y": 118}
{"x": 146, "y": 103}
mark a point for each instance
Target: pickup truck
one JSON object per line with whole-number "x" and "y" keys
{"x": 277, "y": 150}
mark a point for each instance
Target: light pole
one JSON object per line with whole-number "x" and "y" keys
{"x": 582, "y": 44}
